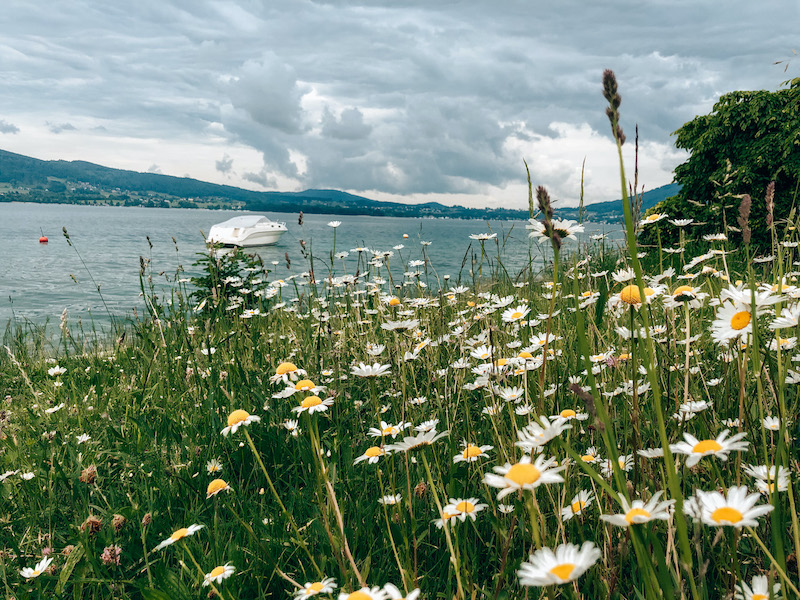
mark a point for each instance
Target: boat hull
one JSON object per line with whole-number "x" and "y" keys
{"x": 260, "y": 238}
{"x": 244, "y": 232}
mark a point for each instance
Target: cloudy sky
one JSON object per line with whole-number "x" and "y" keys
{"x": 411, "y": 101}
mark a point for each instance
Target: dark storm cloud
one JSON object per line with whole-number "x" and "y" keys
{"x": 402, "y": 97}
{"x": 224, "y": 164}
{"x": 262, "y": 178}
{"x": 350, "y": 126}
{"x": 6, "y": 127}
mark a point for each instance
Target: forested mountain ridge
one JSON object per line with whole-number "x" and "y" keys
{"x": 27, "y": 179}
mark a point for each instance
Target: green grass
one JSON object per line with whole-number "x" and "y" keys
{"x": 154, "y": 405}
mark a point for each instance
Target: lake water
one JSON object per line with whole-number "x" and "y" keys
{"x": 38, "y": 281}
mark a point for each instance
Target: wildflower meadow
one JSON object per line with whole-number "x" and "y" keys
{"x": 617, "y": 423}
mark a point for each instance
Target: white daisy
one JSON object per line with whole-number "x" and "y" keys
{"x": 461, "y": 508}
{"x": 218, "y": 574}
{"x": 535, "y": 435}
{"x": 374, "y": 370}
{"x": 766, "y": 482}
{"x": 179, "y": 535}
{"x": 326, "y": 586}
{"x": 581, "y": 501}
{"x": 736, "y": 509}
{"x": 237, "y": 419}
{"x": 471, "y": 453}
{"x": 758, "y": 589}
{"x": 640, "y": 512}
{"x": 418, "y": 441}
{"x": 524, "y": 475}
{"x": 313, "y": 404}
{"x": 733, "y": 321}
{"x": 372, "y": 455}
{"x": 513, "y": 315}
{"x": 396, "y": 594}
{"x": 565, "y": 564}
{"x": 721, "y": 447}
{"x": 365, "y": 593}
{"x": 37, "y": 570}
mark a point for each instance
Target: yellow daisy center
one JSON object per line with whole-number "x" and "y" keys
{"x": 181, "y": 533}
{"x": 36, "y": 573}
{"x": 216, "y": 486}
{"x": 304, "y": 384}
{"x": 316, "y": 587}
{"x": 311, "y": 401}
{"x": 726, "y": 513}
{"x": 759, "y": 597}
{"x": 680, "y": 291}
{"x": 523, "y": 473}
{"x": 237, "y": 417}
{"x": 649, "y": 291}
{"x": 471, "y": 451}
{"x": 586, "y": 294}
{"x": 651, "y": 218}
{"x": 587, "y": 457}
{"x": 706, "y": 446}
{"x": 216, "y": 572}
{"x": 563, "y": 571}
{"x": 740, "y": 320}
{"x": 524, "y": 354}
{"x": 465, "y": 507}
{"x": 470, "y": 303}
{"x": 388, "y": 430}
{"x": 630, "y": 295}
{"x": 635, "y": 512}
{"x": 286, "y": 367}
{"x": 394, "y": 302}
{"x": 568, "y": 414}
{"x": 373, "y": 452}
{"x": 501, "y": 362}
{"x": 578, "y": 506}
{"x": 516, "y": 315}
{"x": 358, "y": 596}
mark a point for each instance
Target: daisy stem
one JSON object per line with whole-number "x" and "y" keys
{"x": 287, "y": 515}
{"x": 403, "y": 573}
{"x": 202, "y": 573}
{"x": 674, "y": 484}
{"x": 446, "y": 526}
{"x": 146, "y": 559}
{"x": 535, "y": 518}
{"x": 345, "y": 549}
{"x": 774, "y": 562}
{"x": 549, "y": 326}
{"x": 686, "y": 360}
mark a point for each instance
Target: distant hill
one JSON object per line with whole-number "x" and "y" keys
{"x": 27, "y": 179}
{"x": 23, "y": 178}
{"x": 612, "y": 210}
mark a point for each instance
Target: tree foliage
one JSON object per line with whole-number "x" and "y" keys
{"x": 749, "y": 139}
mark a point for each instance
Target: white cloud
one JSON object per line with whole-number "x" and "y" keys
{"x": 409, "y": 100}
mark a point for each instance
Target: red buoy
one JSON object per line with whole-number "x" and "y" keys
{"x": 43, "y": 240}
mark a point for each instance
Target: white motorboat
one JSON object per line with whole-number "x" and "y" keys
{"x": 249, "y": 230}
